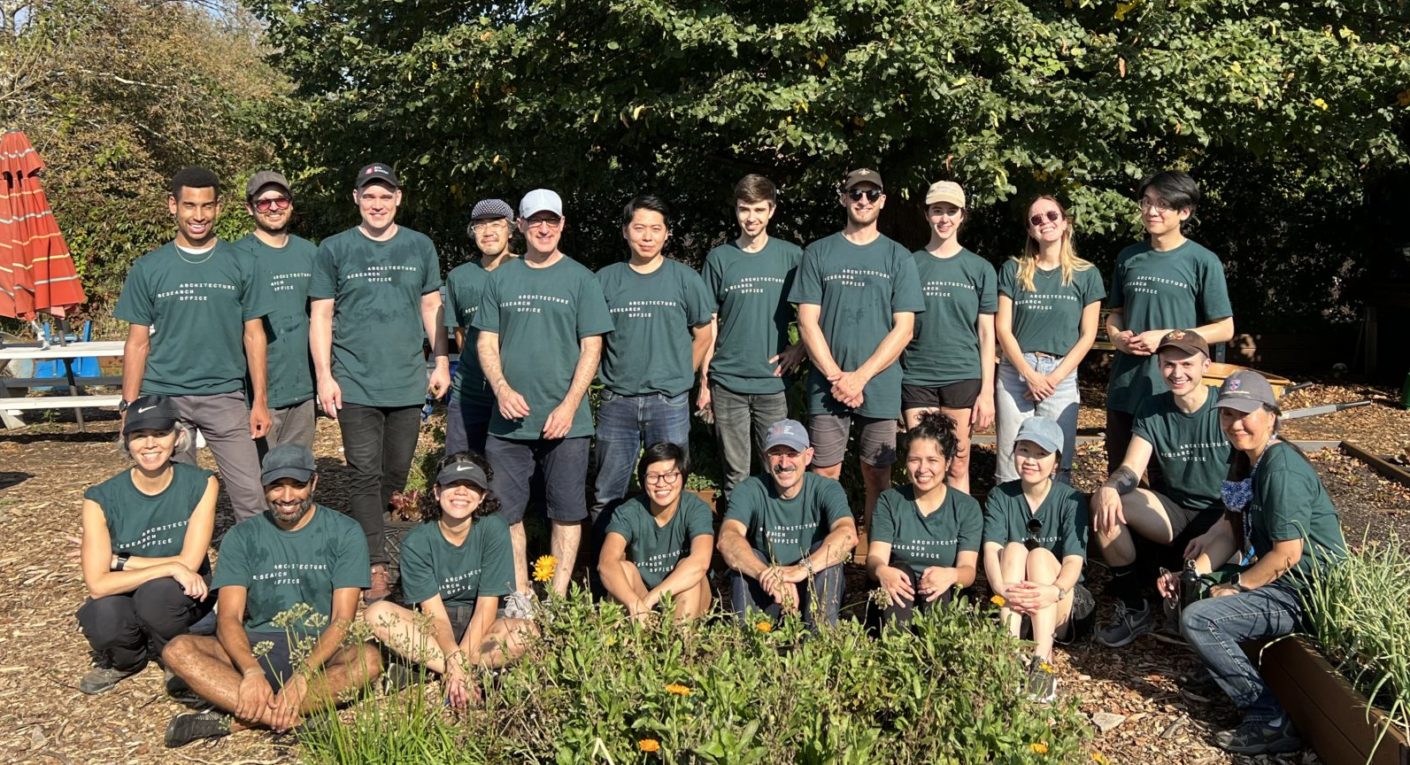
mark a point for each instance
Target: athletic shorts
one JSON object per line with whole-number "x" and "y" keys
{"x": 956, "y": 395}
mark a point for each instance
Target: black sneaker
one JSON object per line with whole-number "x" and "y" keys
{"x": 183, "y": 729}
{"x": 1126, "y": 625}
{"x": 104, "y": 679}
{"x": 177, "y": 690}
{"x": 1042, "y": 681}
{"x": 1260, "y": 737}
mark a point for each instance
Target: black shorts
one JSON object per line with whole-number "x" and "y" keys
{"x": 956, "y": 395}
{"x": 271, "y": 650}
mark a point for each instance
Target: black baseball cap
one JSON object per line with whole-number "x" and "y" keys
{"x": 376, "y": 172}
{"x": 149, "y": 413}
{"x": 288, "y": 461}
{"x": 462, "y": 470}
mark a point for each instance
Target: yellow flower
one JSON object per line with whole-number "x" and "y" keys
{"x": 1100, "y": 759}
{"x": 764, "y": 627}
{"x": 677, "y": 689}
{"x": 649, "y": 745}
{"x": 1046, "y": 667}
{"x": 1320, "y": 104}
{"x": 1122, "y": 9}
{"x": 998, "y": 600}
{"x": 1039, "y": 748}
{"x": 543, "y": 568}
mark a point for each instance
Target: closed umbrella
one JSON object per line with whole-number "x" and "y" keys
{"x": 36, "y": 270}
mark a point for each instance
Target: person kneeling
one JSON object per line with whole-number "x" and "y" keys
{"x": 925, "y": 537}
{"x": 1035, "y": 543}
{"x": 456, "y": 566}
{"x": 297, "y": 555}
{"x": 788, "y": 528}
{"x": 659, "y": 542}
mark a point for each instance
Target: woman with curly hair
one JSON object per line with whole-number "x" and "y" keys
{"x": 455, "y": 567}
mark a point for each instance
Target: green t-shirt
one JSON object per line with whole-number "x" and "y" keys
{"x": 540, "y": 314}
{"x": 1289, "y": 502}
{"x": 945, "y": 348}
{"x": 750, "y": 289}
{"x": 376, "y": 288}
{"x": 465, "y": 285}
{"x": 649, "y": 348}
{"x": 1179, "y": 289}
{"x": 1049, "y": 319}
{"x": 859, "y": 289}
{"x": 281, "y": 569}
{"x": 198, "y": 305}
{"x": 1063, "y": 515}
{"x": 481, "y": 567}
{"x": 286, "y": 272}
{"x": 785, "y": 530}
{"x": 1190, "y": 448}
{"x": 656, "y": 549}
{"x": 150, "y": 525}
{"x": 919, "y": 542}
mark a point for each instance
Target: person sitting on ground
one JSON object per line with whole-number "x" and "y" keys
{"x": 1284, "y": 514}
{"x": 456, "y": 566}
{"x": 925, "y": 537}
{"x": 1179, "y": 430}
{"x": 283, "y": 576}
{"x": 146, "y": 532}
{"x": 1035, "y": 544}
{"x": 660, "y": 541}
{"x": 787, "y": 529}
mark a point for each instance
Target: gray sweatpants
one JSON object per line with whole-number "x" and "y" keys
{"x": 224, "y": 421}
{"x": 289, "y": 425}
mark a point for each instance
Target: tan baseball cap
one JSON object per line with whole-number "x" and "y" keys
{"x": 945, "y": 191}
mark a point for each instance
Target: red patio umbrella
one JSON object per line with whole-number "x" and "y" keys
{"x": 36, "y": 269}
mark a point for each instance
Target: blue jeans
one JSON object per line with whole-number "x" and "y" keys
{"x": 624, "y": 425}
{"x": 819, "y": 600}
{"x": 1011, "y": 408}
{"x": 467, "y": 425}
{"x": 1216, "y": 626}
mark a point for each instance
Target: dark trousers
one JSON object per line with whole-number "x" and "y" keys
{"x": 378, "y": 444}
{"x": 1118, "y": 437}
{"x": 902, "y": 615}
{"x": 819, "y": 600}
{"x": 128, "y": 629}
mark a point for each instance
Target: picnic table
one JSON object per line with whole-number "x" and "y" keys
{"x": 12, "y": 389}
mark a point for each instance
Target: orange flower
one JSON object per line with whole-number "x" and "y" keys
{"x": 998, "y": 600}
{"x": 677, "y": 689}
{"x": 764, "y": 626}
{"x": 1039, "y": 748}
{"x": 649, "y": 745}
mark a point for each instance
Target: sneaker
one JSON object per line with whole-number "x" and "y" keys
{"x": 1126, "y": 625}
{"x": 177, "y": 690}
{"x": 1042, "y": 681}
{"x": 381, "y": 585}
{"x": 183, "y": 729}
{"x": 104, "y": 679}
{"x": 520, "y": 605}
{"x": 1260, "y": 737}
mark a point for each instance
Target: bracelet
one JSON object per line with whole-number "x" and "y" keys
{"x": 121, "y": 562}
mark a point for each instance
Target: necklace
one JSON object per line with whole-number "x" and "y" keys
{"x": 181, "y": 253}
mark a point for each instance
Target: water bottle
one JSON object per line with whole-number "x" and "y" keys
{"x": 1189, "y": 585}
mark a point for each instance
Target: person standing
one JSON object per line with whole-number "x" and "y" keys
{"x": 376, "y": 295}
{"x": 745, "y": 370}
{"x": 661, "y": 317}
{"x": 857, "y": 294}
{"x": 949, "y": 365}
{"x": 196, "y": 311}
{"x": 471, "y": 400}
{"x": 285, "y": 267}
{"x": 549, "y": 310}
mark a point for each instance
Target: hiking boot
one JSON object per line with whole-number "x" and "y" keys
{"x": 1126, "y": 625}
{"x": 1042, "y": 681}
{"x": 381, "y": 585}
{"x": 104, "y": 679}
{"x": 1260, "y": 737}
{"x": 183, "y": 729}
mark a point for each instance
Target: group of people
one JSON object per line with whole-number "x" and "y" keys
{"x": 242, "y": 342}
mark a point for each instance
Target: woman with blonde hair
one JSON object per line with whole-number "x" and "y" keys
{"x": 1049, "y": 306}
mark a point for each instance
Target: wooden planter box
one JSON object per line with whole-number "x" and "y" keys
{"x": 1329, "y": 713}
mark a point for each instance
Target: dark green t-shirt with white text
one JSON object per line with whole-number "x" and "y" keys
{"x": 919, "y": 542}
{"x": 1049, "y": 319}
{"x": 1190, "y": 449}
{"x": 945, "y": 349}
{"x": 1063, "y": 515}
{"x": 150, "y": 525}
{"x": 286, "y": 271}
{"x": 1289, "y": 502}
{"x": 785, "y": 530}
{"x": 482, "y": 566}
{"x": 649, "y": 348}
{"x": 465, "y": 285}
{"x": 750, "y": 290}
{"x": 656, "y": 549}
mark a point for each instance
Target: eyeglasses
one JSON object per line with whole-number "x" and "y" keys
{"x": 549, "y": 223}
{"x": 275, "y": 203}
{"x": 481, "y": 225}
{"x": 1158, "y": 205}
{"x": 1034, "y": 526}
{"x": 663, "y": 478}
{"x": 871, "y": 194}
{"x": 1052, "y": 216}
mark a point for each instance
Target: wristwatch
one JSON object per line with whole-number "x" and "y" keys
{"x": 123, "y": 405}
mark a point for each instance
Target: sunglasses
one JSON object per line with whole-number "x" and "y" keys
{"x": 1034, "y": 526}
{"x": 871, "y": 194}
{"x": 1053, "y": 216}
{"x": 277, "y": 203}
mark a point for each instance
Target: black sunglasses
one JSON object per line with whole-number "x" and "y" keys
{"x": 871, "y": 194}
{"x": 1034, "y": 526}
{"x": 1053, "y": 216}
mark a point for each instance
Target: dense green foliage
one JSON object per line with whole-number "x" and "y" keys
{"x": 601, "y": 688}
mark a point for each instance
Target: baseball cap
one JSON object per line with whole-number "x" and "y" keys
{"x": 288, "y": 461}
{"x": 541, "y": 200}
{"x": 790, "y": 433}
{"x": 462, "y": 470}
{"x": 1245, "y": 391}
{"x": 149, "y": 413}
{"x": 1041, "y": 431}
{"x": 489, "y": 209}
{"x": 945, "y": 191}
{"x": 1185, "y": 340}
{"x": 265, "y": 178}
{"x": 862, "y": 175}
{"x": 376, "y": 173}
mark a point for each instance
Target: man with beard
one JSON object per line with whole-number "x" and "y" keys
{"x": 286, "y": 265}
{"x": 289, "y": 582}
{"x": 786, "y": 534}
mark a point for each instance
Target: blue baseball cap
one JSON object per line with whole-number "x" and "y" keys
{"x": 541, "y": 200}
{"x": 1041, "y": 431}
{"x": 790, "y": 433}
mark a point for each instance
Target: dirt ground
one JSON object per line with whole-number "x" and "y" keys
{"x": 1169, "y": 710}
